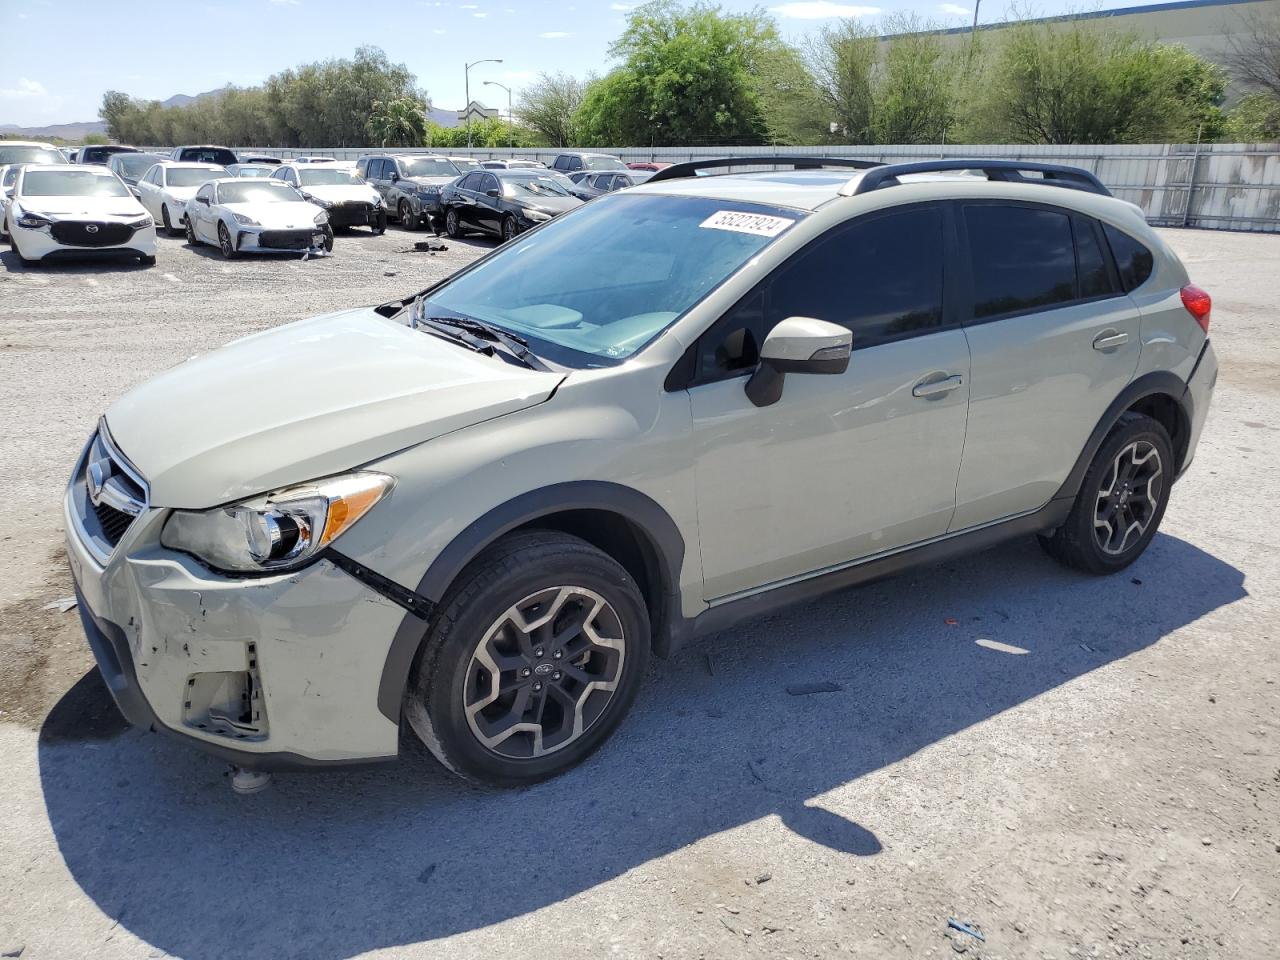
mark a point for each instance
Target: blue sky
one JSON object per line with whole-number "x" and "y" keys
{"x": 61, "y": 55}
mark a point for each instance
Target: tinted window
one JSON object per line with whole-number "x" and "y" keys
{"x": 470, "y": 182}
{"x": 880, "y": 276}
{"x": 192, "y": 176}
{"x": 219, "y": 155}
{"x": 1133, "y": 260}
{"x": 29, "y": 154}
{"x": 1021, "y": 258}
{"x": 1091, "y": 264}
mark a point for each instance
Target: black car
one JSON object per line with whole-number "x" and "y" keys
{"x": 133, "y": 166}
{"x": 206, "y": 153}
{"x": 504, "y": 202}
{"x": 100, "y": 153}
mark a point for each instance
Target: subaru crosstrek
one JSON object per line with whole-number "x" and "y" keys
{"x": 488, "y": 504}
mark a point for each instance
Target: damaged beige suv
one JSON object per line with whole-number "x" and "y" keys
{"x": 486, "y": 505}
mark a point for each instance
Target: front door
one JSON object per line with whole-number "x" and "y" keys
{"x": 841, "y": 467}
{"x": 1054, "y": 340}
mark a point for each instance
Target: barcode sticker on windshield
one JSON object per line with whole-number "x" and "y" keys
{"x": 756, "y": 224}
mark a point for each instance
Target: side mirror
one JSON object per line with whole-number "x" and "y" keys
{"x": 798, "y": 345}
{"x": 491, "y": 192}
{"x": 394, "y": 176}
{"x": 136, "y": 192}
{"x": 204, "y": 200}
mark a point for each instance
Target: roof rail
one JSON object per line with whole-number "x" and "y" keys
{"x": 1009, "y": 171}
{"x": 690, "y": 168}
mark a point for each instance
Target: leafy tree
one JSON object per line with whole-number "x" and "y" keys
{"x": 843, "y": 59}
{"x": 687, "y": 76}
{"x": 548, "y": 106}
{"x": 397, "y": 123}
{"x": 1255, "y": 119}
{"x": 914, "y": 93}
{"x": 791, "y": 106}
{"x": 491, "y": 132}
{"x": 1069, "y": 83}
{"x": 1254, "y": 57}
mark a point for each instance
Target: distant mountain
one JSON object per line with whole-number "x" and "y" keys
{"x": 182, "y": 100}
{"x": 66, "y": 131}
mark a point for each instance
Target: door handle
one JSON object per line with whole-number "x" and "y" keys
{"x": 1110, "y": 339}
{"x": 936, "y": 388}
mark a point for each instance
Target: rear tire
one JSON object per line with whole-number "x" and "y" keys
{"x": 1121, "y": 502}
{"x": 542, "y": 632}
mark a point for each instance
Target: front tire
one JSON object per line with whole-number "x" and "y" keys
{"x": 534, "y": 658}
{"x": 452, "y": 225}
{"x": 1121, "y": 502}
{"x": 147, "y": 259}
{"x": 169, "y": 230}
{"x": 405, "y": 213}
{"x": 510, "y": 229}
{"x": 225, "y": 243}
{"x": 379, "y": 225}
{"x": 192, "y": 239}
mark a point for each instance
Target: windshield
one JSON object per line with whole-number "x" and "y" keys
{"x": 532, "y": 187}
{"x": 72, "y": 183}
{"x": 603, "y": 163}
{"x": 253, "y": 171}
{"x": 135, "y": 164}
{"x": 327, "y": 176}
{"x": 191, "y": 176}
{"x": 428, "y": 167}
{"x": 257, "y": 191}
{"x": 219, "y": 155}
{"x": 466, "y": 164}
{"x": 29, "y": 154}
{"x": 595, "y": 285}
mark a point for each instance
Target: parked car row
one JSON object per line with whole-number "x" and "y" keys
{"x": 212, "y": 196}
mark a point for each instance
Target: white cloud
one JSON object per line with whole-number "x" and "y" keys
{"x": 287, "y": 3}
{"x": 822, "y": 10}
{"x": 479, "y": 16}
{"x": 25, "y": 90}
{"x": 623, "y": 6}
{"x": 553, "y": 35}
{"x": 955, "y": 9}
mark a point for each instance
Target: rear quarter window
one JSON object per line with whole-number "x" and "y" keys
{"x": 1133, "y": 261}
{"x": 1021, "y": 259}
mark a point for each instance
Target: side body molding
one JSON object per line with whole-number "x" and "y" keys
{"x": 661, "y": 543}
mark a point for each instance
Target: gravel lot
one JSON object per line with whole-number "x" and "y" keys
{"x": 1113, "y": 792}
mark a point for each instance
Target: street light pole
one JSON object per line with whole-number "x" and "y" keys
{"x": 467, "y": 82}
{"x": 511, "y": 130}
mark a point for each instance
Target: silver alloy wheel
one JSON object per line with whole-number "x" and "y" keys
{"x": 509, "y": 228}
{"x": 544, "y": 672}
{"x": 451, "y": 225}
{"x": 407, "y": 219}
{"x": 1128, "y": 497}
{"x": 224, "y": 241}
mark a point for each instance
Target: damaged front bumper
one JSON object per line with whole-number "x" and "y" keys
{"x": 265, "y": 672}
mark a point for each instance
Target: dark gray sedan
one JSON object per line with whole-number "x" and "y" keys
{"x": 505, "y": 202}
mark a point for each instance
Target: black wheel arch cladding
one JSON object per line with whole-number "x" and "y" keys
{"x": 571, "y": 507}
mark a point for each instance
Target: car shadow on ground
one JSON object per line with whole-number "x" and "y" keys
{"x": 330, "y": 865}
{"x": 89, "y": 265}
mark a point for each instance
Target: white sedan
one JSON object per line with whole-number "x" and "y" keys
{"x": 350, "y": 200}
{"x": 241, "y": 215}
{"x": 8, "y": 177}
{"x": 165, "y": 189}
{"x": 59, "y": 210}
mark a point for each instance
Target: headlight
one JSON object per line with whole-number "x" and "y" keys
{"x": 429, "y": 191}
{"x": 140, "y": 224}
{"x": 321, "y": 219}
{"x": 317, "y": 201}
{"x": 247, "y": 221}
{"x": 279, "y": 531}
{"x": 537, "y": 216}
{"x": 33, "y": 221}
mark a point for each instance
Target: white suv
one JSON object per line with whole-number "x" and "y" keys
{"x": 489, "y": 503}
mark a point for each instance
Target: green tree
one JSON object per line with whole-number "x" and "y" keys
{"x": 398, "y": 123}
{"x": 687, "y": 76}
{"x": 1076, "y": 83}
{"x": 843, "y": 59}
{"x": 548, "y": 106}
{"x": 1255, "y": 119}
{"x": 914, "y": 90}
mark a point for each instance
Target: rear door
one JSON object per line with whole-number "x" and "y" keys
{"x": 1054, "y": 340}
{"x": 846, "y": 466}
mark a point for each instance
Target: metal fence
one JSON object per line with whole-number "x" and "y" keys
{"x": 1219, "y": 186}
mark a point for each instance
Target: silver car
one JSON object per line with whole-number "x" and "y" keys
{"x": 410, "y": 185}
{"x": 487, "y": 504}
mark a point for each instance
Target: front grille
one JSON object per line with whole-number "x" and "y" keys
{"x": 354, "y": 214}
{"x": 113, "y": 522}
{"x": 107, "y": 494}
{"x": 286, "y": 239}
{"x": 90, "y": 233}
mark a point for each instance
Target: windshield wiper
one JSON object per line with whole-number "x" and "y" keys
{"x": 480, "y": 336}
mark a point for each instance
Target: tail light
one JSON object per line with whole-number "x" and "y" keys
{"x": 1198, "y": 304}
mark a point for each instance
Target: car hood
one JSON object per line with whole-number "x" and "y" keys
{"x": 307, "y": 400}
{"x": 182, "y": 193}
{"x": 552, "y": 204}
{"x": 291, "y": 215}
{"x": 342, "y": 192}
{"x": 428, "y": 181}
{"x": 107, "y": 207}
